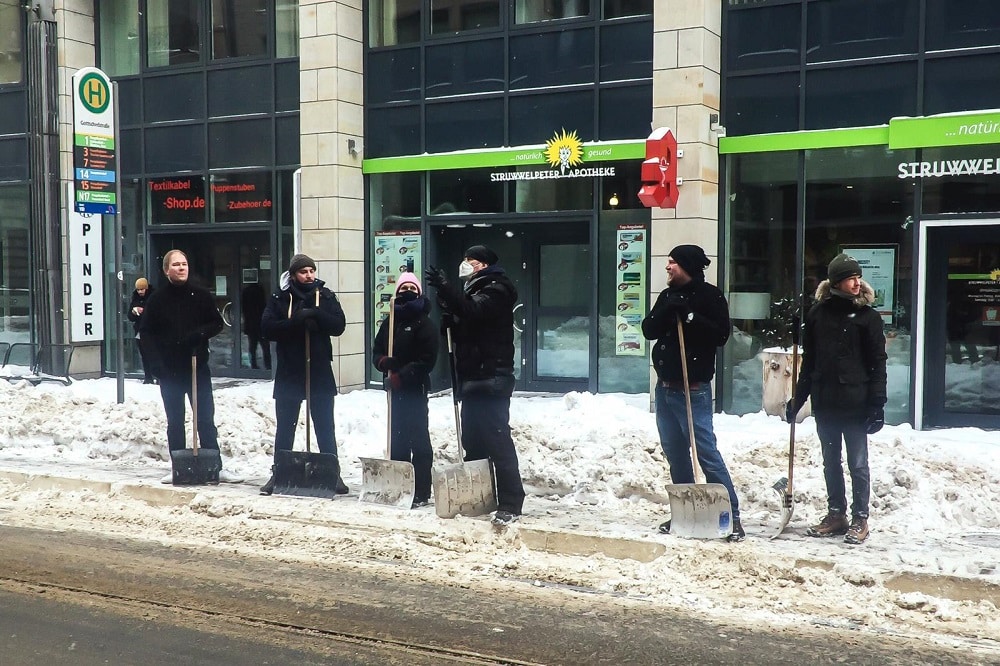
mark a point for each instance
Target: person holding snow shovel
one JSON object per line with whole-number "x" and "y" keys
{"x": 414, "y": 352}
{"x": 843, "y": 369}
{"x": 303, "y": 304}
{"x": 481, "y": 320}
{"x": 704, "y": 315}
{"x": 178, "y": 320}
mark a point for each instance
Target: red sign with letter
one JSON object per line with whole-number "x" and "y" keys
{"x": 659, "y": 171}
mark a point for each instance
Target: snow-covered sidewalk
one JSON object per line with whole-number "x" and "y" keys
{"x": 596, "y": 479}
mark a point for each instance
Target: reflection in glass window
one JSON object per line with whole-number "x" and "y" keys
{"x": 533, "y": 11}
{"x": 553, "y": 193}
{"x": 10, "y": 41}
{"x": 286, "y": 28}
{"x": 763, "y": 37}
{"x": 961, "y": 84}
{"x": 119, "y": 37}
{"x": 464, "y": 191}
{"x": 760, "y": 248}
{"x": 618, "y": 8}
{"x": 762, "y": 104}
{"x": 395, "y": 201}
{"x": 843, "y": 29}
{"x": 450, "y": 16}
{"x": 976, "y": 23}
{"x": 239, "y": 28}
{"x": 552, "y": 58}
{"x": 459, "y": 125}
{"x": 15, "y": 272}
{"x": 173, "y": 32}
{"x": 465, "y": 67}
{"x": 860, "y": 96}
{"x": 393, "y": 22}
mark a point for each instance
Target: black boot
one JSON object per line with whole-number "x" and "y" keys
{"x": 268, "y": 488}
{"x": 342, "y": 488}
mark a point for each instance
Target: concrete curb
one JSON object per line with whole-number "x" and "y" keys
{"x": 553, "y": 541}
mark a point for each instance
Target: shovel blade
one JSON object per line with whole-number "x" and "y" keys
{"x": 700, "y": 510}
{"x": 190, "y": 469}
{"x": 464, "y": 488}
{"x": 388, "y": 482}
{"x": 306, "y": 474}
{"x": 787, "y": 508}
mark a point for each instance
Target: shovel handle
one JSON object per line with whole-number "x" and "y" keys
{"x": 388, "y": 390}
{"x": 695, "y": 467}
{"x": 308, "y": 390}
{"x": 454, "y": 389}
{"x": 194, "y": 403}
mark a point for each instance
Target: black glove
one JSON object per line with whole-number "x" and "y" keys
{"x": 311, "y": 324}
{"x": 435, "y": 277}
{"x": 388, "y": 364}
{"x": 875, "y": 420}
{"x": 678, "y": 304}
{"x": 791, "y": 410}
{"x": 303, "y": 314}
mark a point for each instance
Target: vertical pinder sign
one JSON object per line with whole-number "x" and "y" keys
{"x": 94, "y": 159}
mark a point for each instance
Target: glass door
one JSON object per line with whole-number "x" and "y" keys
{"x": 551, "y": 265}
{"x": 236, "y": 269}
{"x": 962, "y": 306}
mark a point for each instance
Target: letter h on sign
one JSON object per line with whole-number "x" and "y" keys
{"x": 659, "y": 170}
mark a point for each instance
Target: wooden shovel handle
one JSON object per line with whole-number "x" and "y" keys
{"x": 695, "y": 467}
{"x": 388, "y": 390}
{"x": 194, "y": 403}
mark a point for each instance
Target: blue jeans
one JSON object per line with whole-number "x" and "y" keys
{"x": 172, "y": 391}
{"x": 832, "y": 429}
{"x": 286, "y": 415}
{"x": 672, "y": 423}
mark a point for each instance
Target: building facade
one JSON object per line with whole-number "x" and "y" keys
{"x": 385, "y": 135}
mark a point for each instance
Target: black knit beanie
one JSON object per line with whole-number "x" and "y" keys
{"x": 842, "y": 267}
{"x": 692, "y": 259}
{"x": 299, "y": 262}
{"x": 482, "y": 254}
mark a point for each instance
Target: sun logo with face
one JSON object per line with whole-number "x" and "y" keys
{"x": 564, "y": 150}
{"x": 995, "y": 275}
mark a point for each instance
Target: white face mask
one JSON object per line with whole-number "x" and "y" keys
{"x": 465, "y": 269}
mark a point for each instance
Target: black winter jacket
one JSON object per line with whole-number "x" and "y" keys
{"x": 176, "y": 317}
{"x": 843, "y": 354}
{"x": 137, "y": 302}
{"x": 414, "y": 344}
{"x": 280, "y": 325}
{"x": 482, "y": 322}
{"x": 708, "y": 331}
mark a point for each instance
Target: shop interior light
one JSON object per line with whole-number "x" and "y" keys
{"x": 613, "y": 201}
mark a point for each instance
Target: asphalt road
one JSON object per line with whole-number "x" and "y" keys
{"x": 82, "y": 599}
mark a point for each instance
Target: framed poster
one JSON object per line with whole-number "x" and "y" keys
{"x": 878, "y": 268}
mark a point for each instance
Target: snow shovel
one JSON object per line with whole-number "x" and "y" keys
{"x": 464, "y": 488}
{"x": 305, "y": 473}
{"x": 697, "y": 510}
{"x": 783, "y": 486}
{"x": 194, "y": 466}
{"x": 389, "y": 482}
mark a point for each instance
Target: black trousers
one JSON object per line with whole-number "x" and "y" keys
{"x": 410, "y": 441}
{"x": 172, "y": 391}
{"x": 286, "y": 415}
{"x": 486, "y": 434}
{"x": 144, "y": 356}
{"x": 265, "y": 347}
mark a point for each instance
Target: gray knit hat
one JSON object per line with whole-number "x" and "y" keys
{"x": 842, "y": 267}
{"x": 299, "y": 262}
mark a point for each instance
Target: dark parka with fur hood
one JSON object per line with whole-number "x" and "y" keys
{"x": 843, "y": 354}
{"x": 281, "y": 325}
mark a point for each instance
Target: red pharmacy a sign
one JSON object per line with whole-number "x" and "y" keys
{"x": 659, "y": 171}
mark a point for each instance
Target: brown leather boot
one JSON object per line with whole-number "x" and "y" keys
{"x": 857, "y": 532}
{"x": 833, "y": 524}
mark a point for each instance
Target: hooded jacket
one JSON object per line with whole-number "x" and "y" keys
{"x": 703, "y": 335}
{"x": 414, "y": 344}
{"x": 138, "y": 301}
{"x": 843, "y": 353}
{"x": 178, "y": 321}
{"x": 280, "y": 324}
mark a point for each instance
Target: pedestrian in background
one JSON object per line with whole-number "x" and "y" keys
{"x": 844, "y": 370}
{"x": 407, "y": 370}
{"x": 481, "y": 319}
{"x": 252, "y": 303}
{"x": 178, "y": 320}
{"x": 135, "y": 310}
{"x": 704, "y": 314}
{"x": 303, "y": 306}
